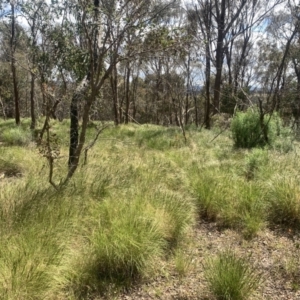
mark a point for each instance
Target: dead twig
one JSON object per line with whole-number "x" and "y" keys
{"x": 93, "y": 142}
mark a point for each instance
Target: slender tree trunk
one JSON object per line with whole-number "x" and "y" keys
{"x": 13, "y": 64}
{"x": 127, "y": 93}
{"x": 33, "y": 76}
{"x": 74, "y": 125}
{"x": 32, "y": 102}
{"x": 207, "y": 88}
{"x": 188, "y": 91}
{"x": 114, "y": 88}
{"x": 276, "y": 100}
{"x": 219, "y": 57}
{"x": 134, "y": 93}
{"x": 241, "y": 60}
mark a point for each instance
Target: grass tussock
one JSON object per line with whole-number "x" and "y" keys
{"x": 231, "y": 277}
{"x": 142, "y": 189}
{"x": 284, "y": 201}
{"x": 16, "y": 136}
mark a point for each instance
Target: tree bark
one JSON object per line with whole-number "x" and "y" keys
{"x": 127, "y": 92}
{"x": 115, "y": 94}
{"x": 207, "y": 88}
{"x": 13, "y": 64}
{"x": 74, "y": 125}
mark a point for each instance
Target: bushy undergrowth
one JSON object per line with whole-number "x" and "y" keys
{"x": 231, "y": 277}
{"x": 248, "y": 131}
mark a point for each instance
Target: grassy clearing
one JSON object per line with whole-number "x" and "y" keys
{"x": 130, "y": 207}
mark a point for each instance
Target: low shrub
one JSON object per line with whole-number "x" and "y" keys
{"x": 248, "y": 132}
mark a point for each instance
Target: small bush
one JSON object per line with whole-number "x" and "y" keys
{"x": 230, "y": 277}
{"x": 247, "y": 131}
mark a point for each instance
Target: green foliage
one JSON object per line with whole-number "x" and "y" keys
{"x": 26, "y": 261}
{"x": 231, "y": 277}
{"x": 248, "y": 132}
{"x": 16, "y": 136}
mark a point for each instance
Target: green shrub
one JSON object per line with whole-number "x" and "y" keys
{"x": 230, "y": 277}
{"x": 247, "y": 131}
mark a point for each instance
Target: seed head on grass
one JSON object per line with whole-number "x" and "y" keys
{"x": 230, "y": 277}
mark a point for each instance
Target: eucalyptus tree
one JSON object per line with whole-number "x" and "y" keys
{"x": 13, "y": 43}
{"x": 35, "y": 13}
{"x": 100, "y": 30}
{"x": 225, "y": 30}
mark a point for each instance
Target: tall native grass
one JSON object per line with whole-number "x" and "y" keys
{"x": 111, "y": 224}
{"x": 231, "y": 277}
{"x": 130, "y": 206}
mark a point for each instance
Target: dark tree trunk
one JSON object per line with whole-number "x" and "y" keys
{"x": 74, "y": 125}
{"x": 13, "y": 65}
{"x": 188, "y": 91}
{"x": 114, "y": 88}
{"x": 32, "y": 102}
{"x": 127, "y": 94}
{"x": 219, "y": 56}
{"x": 207, "y": 88}
{"x": 238, "y": 67}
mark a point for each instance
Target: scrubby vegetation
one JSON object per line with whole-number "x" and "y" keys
{"x": 131, "y": 209}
